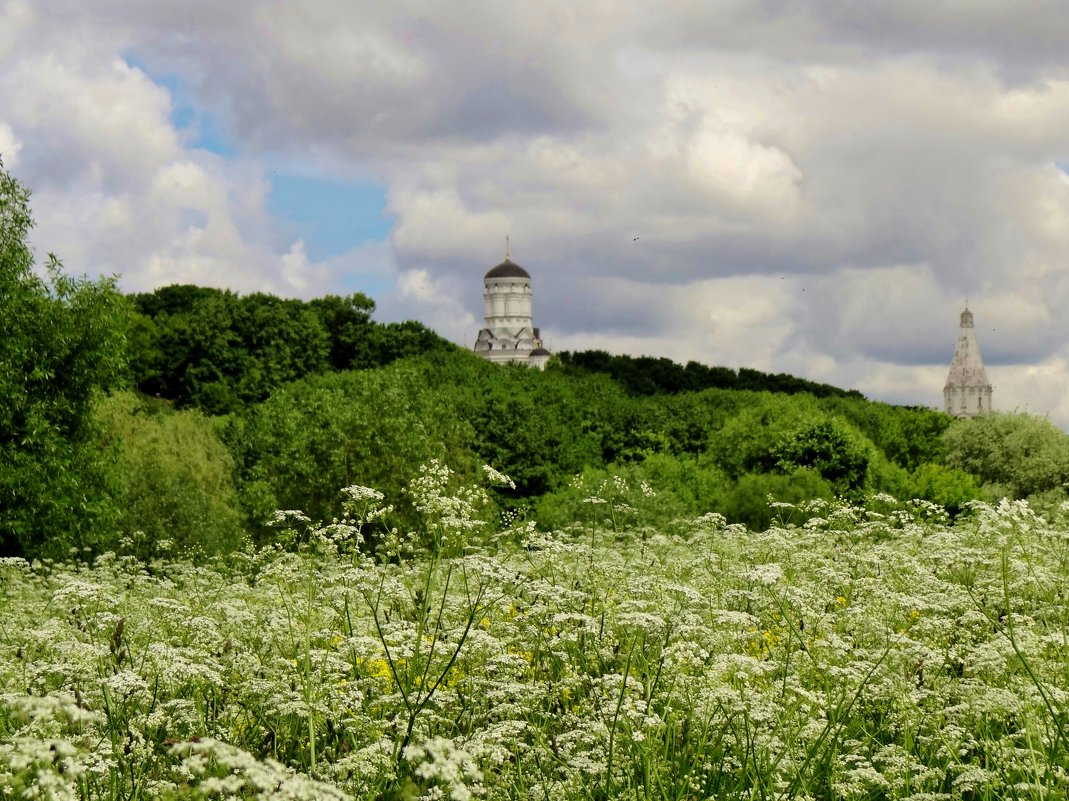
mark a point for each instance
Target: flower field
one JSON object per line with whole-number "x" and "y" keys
{"x": 876, "y": 653}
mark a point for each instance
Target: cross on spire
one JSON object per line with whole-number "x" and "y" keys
{"x": 506, "y": 247}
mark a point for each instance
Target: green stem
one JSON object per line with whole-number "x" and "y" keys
{"x": 309, "y": 599}
{"x": 616, "y": 718}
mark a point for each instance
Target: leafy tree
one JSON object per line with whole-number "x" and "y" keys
{"x": 908, "y": 435}
{"x": 63, "y": 344}
{"x": 173, "y": 477}
{"x": 219, "y": 351}
{"x": 215, "y": 350}
{"x": 173, "y": 299}
{"x": 184, "y": 346}
{"x": 347, "y": 322}
{"x": 658, "y": 491}
{"x": 701, "y": 376}
{"x": 313, "y": 437}
{"x": 687, "y": 420}
{"x": 789, "y": 384}
{"x": 743, "y": 444}
{"x": 284, "y": 340}
{"x": 534, "y": 436}
{"x": 394, "y": 341}
{"x": 1013, "y": 454}
{"x": 205, "y": 356}
{"x": 541, "y": 428}
{"x": 827, "y": 448}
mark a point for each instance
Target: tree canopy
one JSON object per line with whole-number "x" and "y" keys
{"x": 1014, "y": 454}
{"x": 218, "y": 351}
{"x": 648, "y": 375}
{"x": 64, "y": 344}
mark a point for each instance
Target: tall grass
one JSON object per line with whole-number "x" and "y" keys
{"x": 871, "y": 653}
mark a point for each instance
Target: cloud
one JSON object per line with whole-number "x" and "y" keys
{"x": 9, "y": 146}
{"x": 117, "y": 189}
{"x": 436, "y": 301}
{"x": 786, "y": 185}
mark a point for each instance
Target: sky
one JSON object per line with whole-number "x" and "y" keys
{"x": 814, "y": 187}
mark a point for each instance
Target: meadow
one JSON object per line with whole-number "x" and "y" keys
{"x": 873, "y": 651}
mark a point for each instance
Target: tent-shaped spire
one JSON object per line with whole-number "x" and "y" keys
{"x": 967, "y": 391}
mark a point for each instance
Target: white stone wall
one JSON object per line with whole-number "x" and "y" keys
{"x": 507, "y": 303}
{"x": 962, "y": 401}
{"x": 506, "y": 345}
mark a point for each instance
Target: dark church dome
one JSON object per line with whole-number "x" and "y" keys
{"x": 508, "y": 269}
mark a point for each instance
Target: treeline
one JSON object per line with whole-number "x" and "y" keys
{"x": 649, "y": 375}
{"x": 183, "y": 418}
{"x": 218, "y": 351}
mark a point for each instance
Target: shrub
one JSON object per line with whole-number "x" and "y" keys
{"x": 748, "y": 501}
{"x": 948, "y": 486}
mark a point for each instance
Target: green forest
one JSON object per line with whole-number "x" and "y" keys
{"x": 188, "y": 415}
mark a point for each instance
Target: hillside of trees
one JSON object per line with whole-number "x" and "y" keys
{"x": 183, "y": 418}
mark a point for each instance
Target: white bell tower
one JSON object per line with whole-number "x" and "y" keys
{"x": 509, "y": 334}
{"x": 967, "y": 392}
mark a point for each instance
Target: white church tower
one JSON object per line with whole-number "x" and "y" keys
{"x": 967, "y": 392}
{"x": 509, "y": 334}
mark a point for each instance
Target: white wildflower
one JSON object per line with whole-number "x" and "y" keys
{"x": 496, "y": 478}
{"x": 448, "y": 767}
{"x": 288, "y": 518}
{"x": 357, "y": 493}
{"x": 766, "y": 575}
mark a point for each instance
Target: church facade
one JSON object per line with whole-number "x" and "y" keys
{"x": 509, "y": 334}
{"x": 967, "y": 392}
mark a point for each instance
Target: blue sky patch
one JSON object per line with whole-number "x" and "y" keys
{"x": 206, "y": 131}
{"x": 330, "y": 216}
